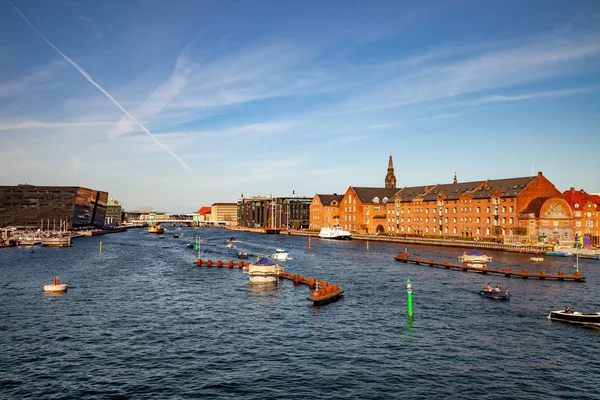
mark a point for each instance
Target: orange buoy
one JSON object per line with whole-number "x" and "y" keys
{"x": 219, "y": 263}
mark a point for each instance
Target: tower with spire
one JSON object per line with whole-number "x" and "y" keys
{"x": 390, "y": 178}
{"x": 455, "y": 180}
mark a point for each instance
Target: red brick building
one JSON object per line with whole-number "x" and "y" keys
{"x": 586, "y": 213}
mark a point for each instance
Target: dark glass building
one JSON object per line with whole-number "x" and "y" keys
{"x": 279, "y": 212}
{"x": 31, "y": 206}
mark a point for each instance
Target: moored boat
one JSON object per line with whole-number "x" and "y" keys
{"x": 242, "y": 255}
{"x": 536, "y": 259}
{"x": 475, "y": 258}
{"x": 495, "y": 294}
{"x": 334, "y": 232}
{"x": 576, "y": 317}
{"x": 558, "y": 254}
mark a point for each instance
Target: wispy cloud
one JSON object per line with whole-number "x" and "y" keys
{"x": 352, "y": 139}
{"x": 55, "y": 125}
{"x": 537, "y": 60}
{"x": 89, "y": 78}
{"x": 445, "y": 116}
{"x": 381, "y": 126}
{"x": 34, "y": 81}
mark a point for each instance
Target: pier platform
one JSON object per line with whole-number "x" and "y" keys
{"x": 524, "y": 274}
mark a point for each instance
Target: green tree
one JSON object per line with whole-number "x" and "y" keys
{"x": 519, "y": 230}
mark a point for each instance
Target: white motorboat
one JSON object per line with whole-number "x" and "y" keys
{"x": 475, "y": 258}
{"x": 334, "y": 232}
{"x": 281, "y": 255}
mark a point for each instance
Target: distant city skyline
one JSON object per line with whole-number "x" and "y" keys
{"x": 178, "y": 105}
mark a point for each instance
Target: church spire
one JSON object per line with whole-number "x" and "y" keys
{"x": 390, "y": 178}
{"x": 455, "y": 180}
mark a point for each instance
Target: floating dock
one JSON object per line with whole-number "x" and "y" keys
{"x": 324, "y": 294}
{"x": 525, "y": 274}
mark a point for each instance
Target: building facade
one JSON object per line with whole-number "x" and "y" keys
{"x": 325, "y": 211}
{"x": 114, "y": 213}
{"x": 224, "y": 213}
{"x": 586, "y": 213}
{"x": 31, "y": 206}
{"x": 277, "y": 212}
{"x": 524, "y": 210}
{"x": 513, "y": 209}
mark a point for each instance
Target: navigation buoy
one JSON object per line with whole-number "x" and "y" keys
{"x": 55, "y": 287}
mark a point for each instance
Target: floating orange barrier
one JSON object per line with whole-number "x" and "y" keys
{"x": 326, "y": 294}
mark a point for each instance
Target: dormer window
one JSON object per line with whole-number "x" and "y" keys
{"x": 385, "y": 200}
{"x": 376, "y": 200}
{"x": 576, "y": 205}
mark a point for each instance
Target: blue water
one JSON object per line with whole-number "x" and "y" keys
{"x": 139, "y": 320}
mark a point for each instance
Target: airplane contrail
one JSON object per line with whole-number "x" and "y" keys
{"x": 115, "y": 102}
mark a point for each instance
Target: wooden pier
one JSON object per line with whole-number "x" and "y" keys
{"x": 325, "y": 293}
{"x": 524, "y": 274}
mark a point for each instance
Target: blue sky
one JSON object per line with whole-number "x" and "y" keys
{"x": 198, "y": 102}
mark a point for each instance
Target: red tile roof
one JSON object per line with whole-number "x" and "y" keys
{"x": 204, "y": 210}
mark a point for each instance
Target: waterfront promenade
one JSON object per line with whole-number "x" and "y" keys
{"x": 471, "y": 244}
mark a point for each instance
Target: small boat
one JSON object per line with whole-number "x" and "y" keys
{"x": 161, "y": 237}
{"x": 496, "y": 294}
{"x": 229, "y": 245}
{"x": 590, "y": 256}
{"x": 558, "y": 254}
{"x": 55, "y": 287}
{"x": 576, "y": 317}
{"x": 231, "y": 239}
{"x": 334, "y": 232}
{"x": 281, "y": 255}
{"x": 475, "y": 258}
{"x": 175, "y": 236}
{"x": 189, "y": 246}
{"x": 242, "y": 255}
{"x": 156, "y": 229}
{"x": 536, "y": 259}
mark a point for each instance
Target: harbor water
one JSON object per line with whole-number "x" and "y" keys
{"x": 139, "y": 320}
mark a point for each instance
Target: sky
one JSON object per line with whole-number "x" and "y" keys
{"x": 179, "y": 104}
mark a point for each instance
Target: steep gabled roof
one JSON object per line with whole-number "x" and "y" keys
{"x": 367, "y": 194}
{"x": 579, "y": 197}
{"x": 409, "y": 193}
{"x": 327, "y": 199}
{"x": 510, "y": 187}
{"x": 452, "y": 191}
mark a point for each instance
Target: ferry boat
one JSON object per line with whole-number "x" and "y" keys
{"x": 475, "y": 258}
{"x": 334, "y": 232}
{"x": 263, "y": 271}
{"x": 156, "y": 229}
